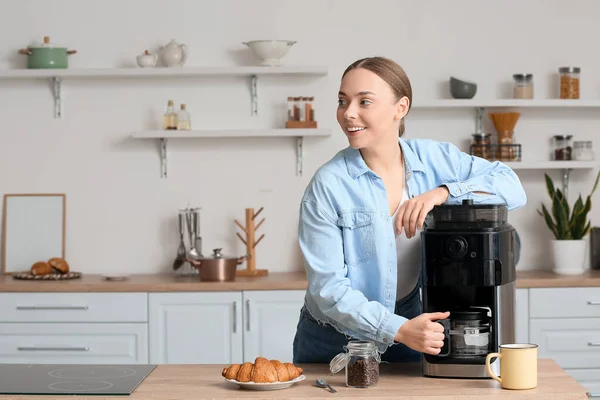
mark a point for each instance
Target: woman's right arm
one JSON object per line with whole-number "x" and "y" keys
{"x": 321, "y": 242}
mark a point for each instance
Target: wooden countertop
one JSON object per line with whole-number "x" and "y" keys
{"x": 397, "y": 381}
{"x": 274, "y": 281}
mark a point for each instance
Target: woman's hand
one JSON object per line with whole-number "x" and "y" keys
{"x": 422, "y": 333}
{"x": 412, "y": 213}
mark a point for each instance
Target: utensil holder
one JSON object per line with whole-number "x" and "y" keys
{"x": 250, "y": 242}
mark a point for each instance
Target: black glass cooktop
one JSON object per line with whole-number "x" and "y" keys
{"x": 70, "y": 379}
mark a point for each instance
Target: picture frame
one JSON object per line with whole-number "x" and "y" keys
{"x": 33, "y": 229}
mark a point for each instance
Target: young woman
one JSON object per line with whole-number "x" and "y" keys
{"x": 361, "y": 213}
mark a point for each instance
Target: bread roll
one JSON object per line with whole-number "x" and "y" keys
{"x": 41, "y": 268}
{"x": 59, "y": 264}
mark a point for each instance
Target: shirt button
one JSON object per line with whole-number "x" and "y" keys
{"x": 386, "y": 340}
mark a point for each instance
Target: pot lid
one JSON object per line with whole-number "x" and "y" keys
{"x": 217, "y": 255}
{"x": 46, "y": 44}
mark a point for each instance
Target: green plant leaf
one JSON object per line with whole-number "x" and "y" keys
{"x": 549, "y": 186}
{"x": 549, "y": 221}
{"x": 560, "y": 216}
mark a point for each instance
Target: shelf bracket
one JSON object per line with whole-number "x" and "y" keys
{"x": 57, "y": 91}
{"x": 254, "y": 96}
{"x": 479, "y": 120}
{"x": 163, "y": 158}
{"x": 565, "y": 184}
{"x": 299, "y": 155}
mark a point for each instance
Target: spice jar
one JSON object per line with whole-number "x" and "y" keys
{"x": 562, "y": 147}
{"x": 481, "y": 145}
{"x": 569, "y": 82}
{"x": 582, "y": 151}
{"x": 361, "y": 361}
{"x": 523, "y": 86}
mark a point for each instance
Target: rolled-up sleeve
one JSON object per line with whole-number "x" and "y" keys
{"x": 474, "y": 174}
{"x": 320, "y": 240}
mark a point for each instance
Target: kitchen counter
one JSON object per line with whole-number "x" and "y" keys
{"x": 396, "y": 382}
{"x": 274, "y": 281}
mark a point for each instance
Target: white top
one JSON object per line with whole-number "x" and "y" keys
{"x": 409, "y": 257}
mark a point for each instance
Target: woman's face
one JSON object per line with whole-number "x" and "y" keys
{"x": 368, "y": 110}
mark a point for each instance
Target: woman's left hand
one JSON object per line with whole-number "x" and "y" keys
{"x": 412, "y": 213}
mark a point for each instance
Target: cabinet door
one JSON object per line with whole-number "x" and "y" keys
{"x": 270, "y": 320}
{"x": 195, "y": 328}
{"x": 60, "y": 343}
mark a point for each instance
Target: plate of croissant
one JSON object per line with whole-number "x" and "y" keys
{"x": 263, "y": 374}
{"x": 55, "y": 268}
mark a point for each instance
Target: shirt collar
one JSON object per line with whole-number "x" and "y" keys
{"x": 357, "y": 166}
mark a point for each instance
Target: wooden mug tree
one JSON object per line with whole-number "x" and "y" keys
{"x": 250, "y": 242}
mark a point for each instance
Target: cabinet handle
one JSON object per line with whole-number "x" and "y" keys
{"x": 593, "y": 343}
{"x": 248, "y": 313}
{"x": 593, "y": 303}
{"x": 35, "y": 348}
{"x": 234, "y": 316}
{"x": 52, "y": 307}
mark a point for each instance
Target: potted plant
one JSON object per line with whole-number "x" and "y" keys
{"x": 569, "y": 227}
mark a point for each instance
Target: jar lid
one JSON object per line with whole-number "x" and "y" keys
{"x": 522, "y": 76}
{"x": 563, "y": 137}
{"x": 564, "y": 70}
{"x": 338, "y": 363}
{"x": 481, "y": 134}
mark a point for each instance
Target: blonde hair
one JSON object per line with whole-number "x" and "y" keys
{"x": 391, "y": 73}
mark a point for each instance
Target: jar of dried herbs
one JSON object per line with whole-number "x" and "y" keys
{"x": 361, "y": 360}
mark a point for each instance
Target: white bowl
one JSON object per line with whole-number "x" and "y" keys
{"x": 270, "y": 51}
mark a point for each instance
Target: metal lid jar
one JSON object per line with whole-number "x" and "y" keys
{"x": 569, "y": 82}
{"x": 361, "y": 360}
{"x": 562, "y": 147}
{"x": 523, "y": 86}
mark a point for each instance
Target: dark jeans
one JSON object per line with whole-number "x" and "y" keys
{"x": 318, "y": 343}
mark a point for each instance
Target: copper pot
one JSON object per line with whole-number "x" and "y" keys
{"x": 217, "y": 268}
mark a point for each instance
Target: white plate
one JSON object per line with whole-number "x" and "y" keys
{"x": 267, "y": 386}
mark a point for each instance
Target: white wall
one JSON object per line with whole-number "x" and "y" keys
{"x": 122, "y": 216}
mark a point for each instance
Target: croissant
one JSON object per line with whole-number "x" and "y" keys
{"x": 262, "y": 371}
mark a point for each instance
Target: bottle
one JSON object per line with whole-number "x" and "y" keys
{"x": 183, "y": 119}
{"x": 170, "y": 117}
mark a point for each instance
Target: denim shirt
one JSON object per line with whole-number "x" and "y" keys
{"x": 347, "y": 237}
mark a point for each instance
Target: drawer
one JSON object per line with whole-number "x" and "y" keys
{"x": 73, "y": 307}
{"x": 572, "y": 343}
{"x": 589, "y": 379}
{"x": 564, "y": 302}
{"x": 74, "y": 343}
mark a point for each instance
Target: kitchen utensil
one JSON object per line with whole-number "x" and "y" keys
{"x": 180, "y": 259}
{"x": 250, "y": 241}
{"x": 173, "y": 54}
{"x": 147, "y": 60}
{"x": 322, "y": 383}
{"x": 505, "y": 122}
{"x": 218, "y": 267}
{"x": 460, "y": 89}
{"x": 198, "y": 238}
{"x": 270, "y": 51}
{"x": 46, "y": 55}
{"x": 191, "y": 224}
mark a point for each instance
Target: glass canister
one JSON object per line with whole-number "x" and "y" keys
{"x": 562, "y": 147}
{"x": 569, "y": 82}
{"x": 481, "y": 145}
{"x": 582, "y": 151}
{"x": 361, "y": 361}
{"x": 523, "y": 86}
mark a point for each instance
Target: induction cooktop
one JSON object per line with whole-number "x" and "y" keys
{"x": 71, "y": 379}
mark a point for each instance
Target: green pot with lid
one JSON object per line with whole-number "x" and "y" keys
{"x": 46, "y": 55}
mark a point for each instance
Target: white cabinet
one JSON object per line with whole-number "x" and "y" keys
{"x": 565, "y": 324}
{"x": 68, "y": 328}
{"x": 223, "y": 327}
{"x": 522, "y": 316}
{"x": 195, "y": 328}
{"x": 74, "y": 343}
{"x": 270, "y": 320}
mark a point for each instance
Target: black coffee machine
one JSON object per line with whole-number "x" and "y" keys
{"x": 469, "y": 269}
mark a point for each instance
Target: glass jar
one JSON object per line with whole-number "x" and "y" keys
{"x": 481, "y": 145}
{"x": 523, "y": 86}
{"x": 569, "y": 82}
{"x": 582, "y": 151}
{"x": 361, "y": 361}
{"x": 290, "y": 108}
{"x": 562, "y": 147}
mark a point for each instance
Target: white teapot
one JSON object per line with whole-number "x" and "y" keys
{"x": 173, "y": 54}
{"x": 147, "y": 60}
